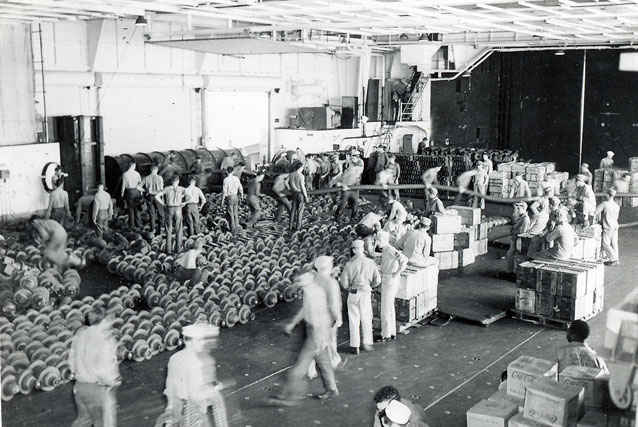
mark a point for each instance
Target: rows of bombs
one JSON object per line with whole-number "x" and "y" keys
{"x": 239, "y": 274}
{"x": 33, "y": 283}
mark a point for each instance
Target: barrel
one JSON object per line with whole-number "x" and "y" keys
{"x": 143, "y": 163}
{"x": 114, "y": 167}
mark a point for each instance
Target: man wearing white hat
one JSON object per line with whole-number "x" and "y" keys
{"x": 319, "y": 323}
{"x": 586, "y": 199}
{"x": 393, "y": 263}
{"x": 191, "y": 381}
{"x": 396, "y": 414}
{"x": 350, "y": 177}
{"x": 607, "y": 162}
{"x": 520, "y": 187}
{"x": 561, "y": 238}
{"x": 359, "y": 276}
{"x": 520, "y": 225}
{"x": 416, "y": 243}
{"x": 607, "y": 213}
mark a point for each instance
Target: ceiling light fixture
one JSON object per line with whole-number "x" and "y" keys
{"x": 559, "y": 53}
{"x": 140, "y": 21}
{"x": 403, "y": 37}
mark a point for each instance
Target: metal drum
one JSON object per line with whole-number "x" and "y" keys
{"x": 114, "y": 167}
{"x": 143, "y": 163}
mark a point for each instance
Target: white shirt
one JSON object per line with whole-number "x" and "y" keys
{"x": 232, "y": 186}
{"x": 193, "y": 194}
{"x": 131, "y": 179}
{"x": 189, "y": 375}
{"x": 93, "y": 357}
{"x": 398, "y": 212}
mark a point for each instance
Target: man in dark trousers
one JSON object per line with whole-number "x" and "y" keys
{"x": 195, "y": 201}
{"x": 131, "y": 186}
{"x": 253, "y": 192}
{"x": 153, "y": 184}
{"x": 172, "y": 197}
{"x": 350, "y": 177}
{"x": 299, "y": 195}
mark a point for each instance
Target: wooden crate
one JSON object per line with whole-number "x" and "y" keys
{"x": 479, "y": 247}
{"x": 491, "y": 413}
{"x": 545, "y": 304}
{"x": 552, "y": 403}
{"x": 442, "y": 242}
{"x": 416, "y": 280}
{"x": 446, "y": 224}
{"x": 526, "y": 300}
{"x": 593, "y": 380}
{"x": 462, "y": 240}
{"x": 469, "y": 215}
{"x": 519, "y": 420}
{"x": 501, "y": 395}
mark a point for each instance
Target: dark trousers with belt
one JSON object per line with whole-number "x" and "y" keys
{"x": 296, "y": 213}
{"x": 232, "y": 205}
{"x": 133, "y": 197}
{"x": 349, "y": 198}
{"x": 191, "y": 213}
{"x": 174, "y": 215}
{"x": 156, "y": 211}
{"x": 102, "y": 222}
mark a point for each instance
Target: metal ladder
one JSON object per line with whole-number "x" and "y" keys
{"x": 407, "y": 109}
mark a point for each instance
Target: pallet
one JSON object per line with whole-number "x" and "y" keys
{"x": 548, "y": 322}
{"x": 402, "y": 327}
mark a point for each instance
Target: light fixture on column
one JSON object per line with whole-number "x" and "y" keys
{"x": 140, "y": 21}
{"x": 560, "y": 52}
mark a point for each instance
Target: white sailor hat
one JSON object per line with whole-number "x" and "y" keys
{"x": 610, "y": 153}
{"x": 200, "y": 331}
{"x": 397, "y": 412}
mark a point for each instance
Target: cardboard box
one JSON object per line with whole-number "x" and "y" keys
{"x": 519, "y": 420}
{"x": 593, "y": 418}
{"x": 442, "y": 242}
{"x": 526, "y": 369}
{"x": 469, "y": 216}
{"x": 501, "y": 395}
{"x": 446, "y": 224}
{"x": 526, "y": 300}
{"x": 593, "y": 380}
{"x": 405, "y": 309}
{"x": 574, "y": 308}
{"x": 461, "y": 240}
{"x": 415, "y": 281}
{"x": 490, "y": 413}
{"x": 553, "y": 404}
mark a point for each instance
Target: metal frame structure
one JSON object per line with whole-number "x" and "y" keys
{"x": 377, "y": 22}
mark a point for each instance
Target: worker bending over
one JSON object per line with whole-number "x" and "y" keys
{"x": 577, "y": 352}
{"x": 58, "y": 208}
{"x": 187, "y": 263}
{"x": 191, "y": 382}
{"x": 520, "y": 225}
{"x": 131, "y": 191}
{"x": 93, "y": 362}
{"x": 393, "y": 263}
{"x": 152, "y": 185}
{"x": 299, "y": 195}
{"x": 231, "y": 193}
{"x": 520, "y": 187}
{"x": 49, "y": 234}
{"x": 195, "y": 201}
{"x": 281, "y": 189}
{"x": 350, "y": 177}
{"x": 172, "y": 197}
{"x": 417, "y": 243}
{"x": 433, "y": 205}
{"x": 102, "y": 210}
{"x": 359, "y": 276}
{"x": 539, "y": 220}
{"x": 387, "y": 411}
{"x": 607, "y": 214}
{"x": 561, "y": 238}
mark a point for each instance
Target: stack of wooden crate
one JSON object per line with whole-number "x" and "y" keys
{"x": 500, "y": 182}
{"x": 559, "y": 291}
{"x": 416, "y": 297}
{"x": 535, "y": 174}
{"x": 588, "y": 243}
{"x": 458, "y": 238}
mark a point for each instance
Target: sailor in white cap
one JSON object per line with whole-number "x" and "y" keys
{"x": 561, "y": 237}
{"x": 396, "y": 414}
{"x": 359, "y": 276}
{"x": 416, "y": 243}
{"x": 520, "y": 187}
{"x": 607, "y": 213}
{"x": 350, "y": 177}
{"x": 586, "y": 200}
{"x": 607, "y": 162}
{"x": 520, "y": 225}
{"x": 393, "y": 263}
{"x": 481, "y": 181}
{"x": 191, "y": 381}
{"x": 319, "y": 323}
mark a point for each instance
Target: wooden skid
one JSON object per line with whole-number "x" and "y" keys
{"x": 548, "y": 322}
{"x": 402, "y": 327}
